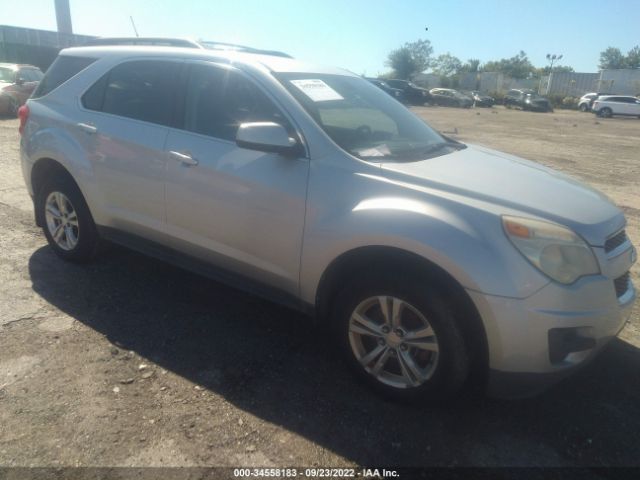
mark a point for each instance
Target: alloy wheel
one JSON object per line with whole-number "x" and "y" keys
{"x": 393, "y": 341}
{"x": 62, "y": 221}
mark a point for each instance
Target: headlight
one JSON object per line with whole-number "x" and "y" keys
{"x": 555, "y": 250}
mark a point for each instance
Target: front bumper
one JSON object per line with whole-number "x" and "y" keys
{"x": 525, "y": 354}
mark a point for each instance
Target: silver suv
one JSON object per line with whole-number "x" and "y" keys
{"x": 433, "y": 262}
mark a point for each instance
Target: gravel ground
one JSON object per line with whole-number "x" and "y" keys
{"x": 130, "y": 362}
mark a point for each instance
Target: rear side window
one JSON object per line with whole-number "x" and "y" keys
{"x": 142, "y": 90}
{"x": 62, "y": 69}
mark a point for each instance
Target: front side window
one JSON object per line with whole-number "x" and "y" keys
{"x": 142, "y": 90}
{"x": 363, "y": 120}
{"x": 218, "y": 100}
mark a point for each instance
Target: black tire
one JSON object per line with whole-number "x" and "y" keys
{"x": 14, "y": 106}
{"x": 584, "y": 107}
{"x": 605, "y": 112}
{"x": 87, "y": 236}
{"x": 452, "y": 365}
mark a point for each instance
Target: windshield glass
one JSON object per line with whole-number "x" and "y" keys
{"x": 364, "y": 120}
{"x": 6, "y": 75}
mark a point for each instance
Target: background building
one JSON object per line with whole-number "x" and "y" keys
{"x": 36, "y": 47}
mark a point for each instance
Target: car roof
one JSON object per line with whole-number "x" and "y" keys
{"x": 270, "y": 62}
{"x": 606, "y": 97}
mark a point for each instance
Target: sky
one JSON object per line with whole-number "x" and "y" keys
{"x": 359, "y": 34}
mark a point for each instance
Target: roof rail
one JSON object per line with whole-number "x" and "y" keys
{"x": 148, "y": 41}
{"x": 182, "y": 42}
{"x": 212, "y": 45}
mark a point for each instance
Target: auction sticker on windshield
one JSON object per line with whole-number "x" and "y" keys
{"x": 317, "y": 90}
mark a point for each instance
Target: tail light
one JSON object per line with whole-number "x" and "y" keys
{"x": 23, "y": 115}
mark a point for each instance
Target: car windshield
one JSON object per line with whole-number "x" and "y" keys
{"x": 6, "y": 75}
{"x": 363, "y": 120}
{"x": 534, "y": 96}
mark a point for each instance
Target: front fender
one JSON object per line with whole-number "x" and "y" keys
{"x": 465, "y": 241}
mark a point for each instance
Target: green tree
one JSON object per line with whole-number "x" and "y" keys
{"x": 411, "y": 58}
{"x": 612, "y": 59}
{"x": 446, "y": 65}
{"x": 517, "y": 66}
{"x": 556, "y": 69}
{"x": 471, "y": 66}
{"x": 633, "y": 57}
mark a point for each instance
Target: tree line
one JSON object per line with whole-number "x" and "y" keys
{"x": 416, "y": 57}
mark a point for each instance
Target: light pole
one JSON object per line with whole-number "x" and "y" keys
{"x": 552, "y": 58}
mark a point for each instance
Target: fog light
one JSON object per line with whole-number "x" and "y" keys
{"x": 564, "y": 341}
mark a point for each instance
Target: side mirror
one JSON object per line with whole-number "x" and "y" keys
{"x": 267, "y": 137}
{"x": 20, "y": 81}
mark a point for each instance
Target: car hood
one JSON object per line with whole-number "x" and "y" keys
{"x": 480, "y": 174}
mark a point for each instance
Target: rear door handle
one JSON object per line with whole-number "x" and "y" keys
{"x": 183, "y": 158}
{"x": 87, "y": 128}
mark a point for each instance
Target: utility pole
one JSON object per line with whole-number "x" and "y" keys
{"x": 63, "y": 16}
{"x": 552, "y": 58}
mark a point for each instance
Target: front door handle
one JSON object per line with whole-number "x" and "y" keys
{"x": 87, "y": 128}
{"x": 183, "y": 158}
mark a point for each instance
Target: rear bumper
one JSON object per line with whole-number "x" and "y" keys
{"x": 537, "y": 341}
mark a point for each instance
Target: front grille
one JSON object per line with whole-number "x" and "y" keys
{"x": 615, "y": 241}
{"x": 621, "y": 284}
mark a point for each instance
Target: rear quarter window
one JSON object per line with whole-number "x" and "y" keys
{"x": 62, "y": 69}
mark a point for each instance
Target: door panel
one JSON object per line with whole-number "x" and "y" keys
{"x": 129, "y": 167}
{"x": 124, "y": 129}
{"x": 240, "y": 209}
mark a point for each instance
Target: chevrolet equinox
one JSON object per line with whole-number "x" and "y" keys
{"x": 432, "y": 261}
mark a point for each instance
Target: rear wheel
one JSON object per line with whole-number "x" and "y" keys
{"x": 14, "y": 106}
{"x": 400, "y": 336}
{"x": 68, "y": 224}
{"x": 584, "y": 107}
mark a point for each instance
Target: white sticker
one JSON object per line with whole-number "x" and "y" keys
{"x": 317, "y": 90}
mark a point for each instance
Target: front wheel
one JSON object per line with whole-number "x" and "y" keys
{"x": 584, "y": 107}
{"x": 68, "y": 224}
{"x": 401, "y": 337}
{"x": 605, "y": 112}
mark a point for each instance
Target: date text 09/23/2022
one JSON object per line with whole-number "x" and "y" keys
{"x": 367, "y": 473}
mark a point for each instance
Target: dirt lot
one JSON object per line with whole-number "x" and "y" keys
{"x": 130, "y": 362}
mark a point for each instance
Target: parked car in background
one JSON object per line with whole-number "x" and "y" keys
{"x": 16, "y": 84}
{"x": 413, "y": 94}
{"x": 481, "y": 100}
{"x": 586, "y": 101}
{"x": 430, "y": 260}
{"x": 394, "y": 92}
{"x": 447, "y": 97}
{"x": 527, "y": 99}
{"x": 608, "y": 105}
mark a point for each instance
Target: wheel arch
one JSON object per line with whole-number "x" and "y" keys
{"x": 43, "y": 169}
{"x": 410, "y": 264}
